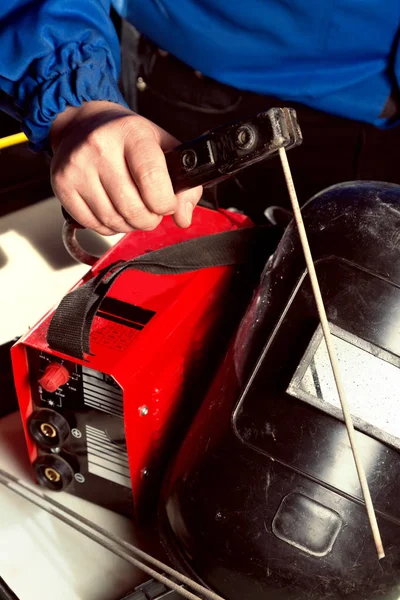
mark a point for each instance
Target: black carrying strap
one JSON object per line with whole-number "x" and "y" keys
{"x": 70, "y": 326}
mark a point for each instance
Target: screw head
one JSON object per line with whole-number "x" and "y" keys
{"x": 245, "y": 137}
{"x": 143, "y": 410}
{"x": 189, "y": 160}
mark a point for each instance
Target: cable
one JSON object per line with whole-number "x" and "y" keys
{"x": 12, "y": 140}
{"x": 73, "y": 247}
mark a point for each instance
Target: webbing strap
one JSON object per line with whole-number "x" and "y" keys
{"x": 70, "y": 326}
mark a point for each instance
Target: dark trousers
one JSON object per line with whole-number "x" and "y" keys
{"x": 187, "y": 104}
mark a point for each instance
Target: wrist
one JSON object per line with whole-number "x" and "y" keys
{"x": 72, "y": 117}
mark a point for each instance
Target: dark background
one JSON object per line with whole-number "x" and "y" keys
{"x": 24, "y": 175}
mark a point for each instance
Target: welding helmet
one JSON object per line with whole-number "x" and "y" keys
{"x": 263, "y": 499}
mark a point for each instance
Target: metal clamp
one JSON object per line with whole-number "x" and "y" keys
{"x": 214, "y": 157}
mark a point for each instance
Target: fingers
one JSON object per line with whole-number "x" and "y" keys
{"x": 114, "y": 179}
{"x": 186, "y": 203}
{"x": 148, "y": 168}
{"x": 98, "y": 201}
{"x": 79, "y": 210}
{"x": 126, "y": 199}
{"x": 101, "y": 195}
{"x": 187, "y": 200}
{"x": 147, "y": 164}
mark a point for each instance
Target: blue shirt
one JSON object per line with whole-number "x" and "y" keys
{"x": 339, "y": 56}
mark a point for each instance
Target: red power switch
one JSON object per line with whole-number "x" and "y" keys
{"x": 54, "y": 377}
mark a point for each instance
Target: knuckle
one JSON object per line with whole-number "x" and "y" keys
{"x": 150, "y": 175}
{"x": 104, "y": 231}
{"x": 94, "y": 138}
{"x": 164, "y": 206}
{"x": 159, "y": 206}
{"x": 151, "y": 226}
{"x": 71, "y": 161}
{"x": 142, "y": 219}
{"x": 156, "y": 188}
{"x": 87, "y": 222}
{"x": 112, "y": 222}
{"x": 135, "y": 129}
{"x": 135, "y": 214}
{"x": 96, "y": 141}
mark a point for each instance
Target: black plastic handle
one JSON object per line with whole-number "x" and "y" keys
{"x": 228, "y": 149}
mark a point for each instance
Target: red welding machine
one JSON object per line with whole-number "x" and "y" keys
{"x": 107, "y": 380}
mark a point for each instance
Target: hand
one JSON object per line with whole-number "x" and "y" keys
{"x": 109, "y": 170}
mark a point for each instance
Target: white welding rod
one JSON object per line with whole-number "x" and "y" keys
{"x": 332, "y": 354}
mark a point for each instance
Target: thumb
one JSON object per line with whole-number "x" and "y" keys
{"x": 187, "y": 201}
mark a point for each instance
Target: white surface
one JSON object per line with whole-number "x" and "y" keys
{"x": 35, "y": 268}
{"x": 40, "y": 557}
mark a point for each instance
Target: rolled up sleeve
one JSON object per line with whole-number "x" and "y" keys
{"x": 55, "y": 54}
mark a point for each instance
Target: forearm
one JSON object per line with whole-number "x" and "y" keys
{"x": 53, "y": 55}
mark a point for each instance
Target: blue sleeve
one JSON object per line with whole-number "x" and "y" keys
{"x": 54, "y": 54}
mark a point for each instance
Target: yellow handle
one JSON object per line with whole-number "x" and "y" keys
{"x": 12, "y": 140}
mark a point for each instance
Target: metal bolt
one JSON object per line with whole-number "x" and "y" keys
{"x": 143, "y": 410}
{"x": 141, "y": 84}
{"x": 189, "y": 160}
{"x": 245, "y": 137}
{"x": 144, "y": 473}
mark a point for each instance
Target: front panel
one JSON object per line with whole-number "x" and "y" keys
{"x": 79, "y": 434}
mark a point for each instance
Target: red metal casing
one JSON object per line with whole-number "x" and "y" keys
{"x": 151, "y": 365}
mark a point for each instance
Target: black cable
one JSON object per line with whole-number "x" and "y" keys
{"x": 5, "y": 592}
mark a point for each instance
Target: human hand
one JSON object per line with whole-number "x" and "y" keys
{"x": 109, "y": 170}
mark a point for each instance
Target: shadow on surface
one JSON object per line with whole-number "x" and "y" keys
{"x": 41, "y": 225}
{"x": 3, "y": 258}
